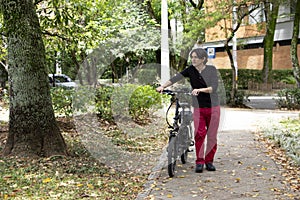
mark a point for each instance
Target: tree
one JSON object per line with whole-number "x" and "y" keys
{"x": 232, "y": 15}
{"x": 241, "y": 13}
{"x": 294, "y": 44}
{"x": 76, "y": 28}
{"x": 33, "y": 130}
{"x": 271, "y": 10}
{"x": 193, "y": 20}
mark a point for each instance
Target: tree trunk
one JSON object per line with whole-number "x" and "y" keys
{"x": 271, "y": 14}
{"x": 3, "y": 76}
{"x": 294, "y": 43}
{"x": 33, "y": 130}
{"x": 234, "y": 87}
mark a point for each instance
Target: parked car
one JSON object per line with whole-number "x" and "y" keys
{"x": 61, "y": 80}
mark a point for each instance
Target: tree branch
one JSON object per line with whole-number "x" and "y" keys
{"x": 37, "y": 2}
{"x": 54, "y": 35}
{"x": 197, "y": 6}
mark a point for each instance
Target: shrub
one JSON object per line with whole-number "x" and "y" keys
{"x": 289, "y": 99}
{"x": 142, "y": 100}
{"x": 62, "y": 101}
{"x": 286, "y": 134}
{"x": 65, "y": 101}
{"x": 127, "y": 101}
{"x": 103, "y": 102}
{"x": 255, "y": 76}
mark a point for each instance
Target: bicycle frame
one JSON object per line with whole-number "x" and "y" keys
{"x": 180, "y": 137}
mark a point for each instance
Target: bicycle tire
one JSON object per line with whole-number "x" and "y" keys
{"x": 172, "y": 156}
{"x": 185, "y": 137}
{"x": 184, "y": 157}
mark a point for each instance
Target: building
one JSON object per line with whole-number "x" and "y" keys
{"x": 250, "y": 40}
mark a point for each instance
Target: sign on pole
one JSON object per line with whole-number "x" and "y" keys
{"x": 211, "y": 52}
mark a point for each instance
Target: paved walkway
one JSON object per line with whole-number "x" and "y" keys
{"x": 244, "y": 171}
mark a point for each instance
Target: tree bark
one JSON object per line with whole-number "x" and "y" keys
{"x": 294, "y": 43}
{"x": 33, "y": 130}
{"x": 271, "y": 14}
{"x": 234, "y": 87}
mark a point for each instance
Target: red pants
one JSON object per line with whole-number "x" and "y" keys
{"x": 206, "y": 123}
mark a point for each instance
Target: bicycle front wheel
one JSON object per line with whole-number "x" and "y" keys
{"x": 172, "y": 156}
{"x": 184, "y": 134}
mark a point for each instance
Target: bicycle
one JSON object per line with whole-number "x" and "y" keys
{"x": 180, "y": 133}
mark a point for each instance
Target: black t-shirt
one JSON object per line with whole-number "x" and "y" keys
{"x": 207, "y": 78}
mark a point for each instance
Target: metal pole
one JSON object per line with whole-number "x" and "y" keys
{"x": 234, "y": 48}
{"x": 165, "y": 63}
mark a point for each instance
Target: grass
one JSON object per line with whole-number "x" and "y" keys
{"x": 80, "y": 175}
{"x": 65, "y": 178}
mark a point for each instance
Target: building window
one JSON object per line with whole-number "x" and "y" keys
{"x": 287, "y": 11}
{"x": 258, "y": 15}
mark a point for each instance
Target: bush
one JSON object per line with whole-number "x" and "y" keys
{"x": 142, "y": 100}
{"x": 103, "y": 102}
{"x": 131, "y": 101}
{"x": 62, "y": 101}
{"x": 289, "y": 99}
{"x": 128, "y": 101}
{"x": 255, "y": 76}
{"x": 65, "y": 101}
{"x": 287, "y": 135}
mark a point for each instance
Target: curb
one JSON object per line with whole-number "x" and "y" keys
{"x": 153, "y": 175}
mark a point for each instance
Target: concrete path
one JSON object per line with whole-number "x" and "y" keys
{"x": 244, "y": 171}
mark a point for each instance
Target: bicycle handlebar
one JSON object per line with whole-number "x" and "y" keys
{"x": 174, "y": 92}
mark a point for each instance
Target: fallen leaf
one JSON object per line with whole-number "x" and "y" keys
{"x": 47, "y": 180}
{"x": 237, "y": 180}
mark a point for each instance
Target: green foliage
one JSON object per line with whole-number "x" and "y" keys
{"x": 289, "y": 80}
{"x": 4, "y": 97}
{"x": 238, "y": 100}
{"x": 289, "y": 99}
{"x": 103, "y": 103}
{"x": 83, "y": 99}
{"x": 128, "y": 101}
{"x": 252, "y": 75}
{"x": 142, "y": 100}
{"x": 62, "y": 101}
{"x": 147, "y": 76}
{"x": 109, "y": 102}
{"x": 67, "y": 101}
{"x": 286, "y": 135}
{"x": 73, "y": 29}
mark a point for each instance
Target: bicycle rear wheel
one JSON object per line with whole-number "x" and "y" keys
{"x": 172, "y": 156}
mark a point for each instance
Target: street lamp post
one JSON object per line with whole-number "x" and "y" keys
{"x": 165, "y": 63}
{"x": 234, "y": 46}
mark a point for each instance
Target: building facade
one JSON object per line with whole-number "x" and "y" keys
{"x": 250, "y": 37}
